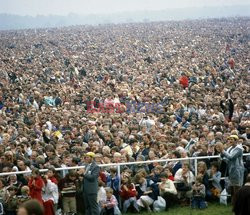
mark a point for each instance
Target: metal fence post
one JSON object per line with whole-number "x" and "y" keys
{"x": 119, "y": 176}
{"x": 195, "y": 166}
{"x": 119, "y": 172}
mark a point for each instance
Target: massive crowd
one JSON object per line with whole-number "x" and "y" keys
{"x": 70, "y": 91}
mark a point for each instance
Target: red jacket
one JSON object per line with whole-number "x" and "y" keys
{"x": 54, "y": 180}
{"x": 36, "y": 190}
{"x": 126, "y": 194}
{"x": 171, "y": 178}
{"x": 103, "y": 176}
{"x": 184, "y": 81}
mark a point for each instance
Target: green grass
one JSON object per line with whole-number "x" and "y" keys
{"x": 213, "y": 209}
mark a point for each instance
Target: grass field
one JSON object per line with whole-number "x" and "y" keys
{"x": 213, "y": 209}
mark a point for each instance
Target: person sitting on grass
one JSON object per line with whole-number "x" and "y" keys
{"x": 202, "y": 170}
{"x": 168, "y": 171}
{"x": 199, "y": 193}
{"x": 110, "y": 206}
{"x": 214, "y": 180}
{"x": 128, "y": 193}
{"x": 156, "y": 172}
{"x": 167, "y": 190}
{"x": 147, "y": 191}
{"x": 184, "y": 178}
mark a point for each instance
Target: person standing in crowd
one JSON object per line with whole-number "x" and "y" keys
{"x": 113, "y": 181}
{"x": 36, "y": 185}
{"x": 67, "y": 187}
{"x": 233, "y": 157}
{"x": 90, "y": 184}
{"x": 50, "y": 195}
{"x": 242, "y": 199}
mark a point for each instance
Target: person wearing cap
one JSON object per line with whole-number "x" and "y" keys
{"x": 233, "y": 156}
{"x": 90, "y": 184}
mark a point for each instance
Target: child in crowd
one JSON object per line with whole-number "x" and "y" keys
{"x": 156, "y": 172}
{"x": 25, "y": 195}
{"x": 101, "y": 195}
{"x": 50, "y": 196}
{"x": 214, "y": 180}
{"x": 128, "y": 193}
{"x": 11, "y": 201}
{"x": 199, "y": 193}
{"x": 202, "y": 170}
{"x": 67, "y": 187}
{"x": 110, "y": 207}
{"x": 52, "y": 175}
{"x": 113, "y": 181}
{"x": 36, "y": 185}
{"x": 168, "y": 171}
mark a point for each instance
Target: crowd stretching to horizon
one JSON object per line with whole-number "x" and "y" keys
{"x": 72, "y": 91}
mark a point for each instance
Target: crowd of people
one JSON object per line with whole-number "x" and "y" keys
{"x": 123, "y": 93}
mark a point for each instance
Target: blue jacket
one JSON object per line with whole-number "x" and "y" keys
{"x": 215, "y": 179}
{"x": 114, "y": 183}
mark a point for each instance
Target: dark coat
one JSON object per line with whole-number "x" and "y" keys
{"x": 242, "y": 203}
{"x": 90, "y": 181}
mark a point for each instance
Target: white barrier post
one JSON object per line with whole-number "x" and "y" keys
{"x": 195, "y": 166}
{"x": 119, "y": 176}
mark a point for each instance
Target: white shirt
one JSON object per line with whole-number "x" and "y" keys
{"x": 168, "y": 187}
{"x": 101, "y": 195}
{"x": 179, "y": 178}
{"x": 50, "y": 192}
